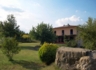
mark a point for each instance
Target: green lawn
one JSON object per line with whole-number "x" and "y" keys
{"x": 27, "y": 59}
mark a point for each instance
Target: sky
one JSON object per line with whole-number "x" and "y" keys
{"x": 30, "y": 13}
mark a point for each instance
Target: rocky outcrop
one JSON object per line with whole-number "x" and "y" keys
{"x": 75, "y": 59}
{"x": 86, "y": 63}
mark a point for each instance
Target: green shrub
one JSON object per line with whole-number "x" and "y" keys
{"x": 0, "y": 45}
{"x": 47, "y": 53}
{"x": 10, "y": 47}
{"x": 89, "y": 45}
{"x": 71, "y": 43}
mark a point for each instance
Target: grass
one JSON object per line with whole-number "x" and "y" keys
{"x": 27, "y": 59}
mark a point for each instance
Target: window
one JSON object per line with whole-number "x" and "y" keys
{"x": 54, "y": 32}
{"x": 71, "y": 31}
{"x": 62, "y": 32}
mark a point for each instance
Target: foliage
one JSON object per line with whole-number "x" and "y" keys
{"x": 66, "y": 39}
{"x": 10, "y": 47}
{"x": 43, "y": 32}
{"x": 87, "y": 33}
{"x": 25, "y": 60}
{"x": 0, "y": 30}
{"x": 0, "y": 46}
{"x": 26, "y": 38}
{"x": 9, "y": 28}
{"x": 47, "y": 53}
{"x": 71, "y": 43}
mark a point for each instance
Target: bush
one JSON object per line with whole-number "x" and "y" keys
{"x": 0, "y": 45}
{"x": 47, "y": 53}
{"x": 10, "y": 47}
{"x": 89, "y": 45}
{"x": 71, "y": 43}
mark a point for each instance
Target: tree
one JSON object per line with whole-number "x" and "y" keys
{"x": 43, "y": 32}
{"x": 26, "y": 38}
{"x": 0, "y": 32}
{"x": 9, "y": 28}
{"x": 87, "y": 33}
{"x": 10, "y": 47}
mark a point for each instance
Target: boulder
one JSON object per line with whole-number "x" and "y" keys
{"x": 74, "y": 59}
{"x": 86, "y": 63}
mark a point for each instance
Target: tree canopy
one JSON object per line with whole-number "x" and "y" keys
{"x": 10, "y": 47}
{"x": 87, "y": 33}
{"x": 9, "y": 28}
{"x": 43, "y": 32}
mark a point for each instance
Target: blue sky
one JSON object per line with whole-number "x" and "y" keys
{"x": 29, "y": 13}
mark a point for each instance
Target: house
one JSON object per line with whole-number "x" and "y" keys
{"x": 67, "y": 31}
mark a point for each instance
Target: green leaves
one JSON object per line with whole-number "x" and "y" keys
{"x": 43, "y": 32}
{"x": 9, "y": 28}
{"x": 47, "y": 52}
{"x": 10, "y": 47}
{"x": 87, "y": 33}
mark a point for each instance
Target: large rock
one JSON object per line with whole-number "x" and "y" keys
{"x": 86, "y": 63}
{"x": 74, "y": 59}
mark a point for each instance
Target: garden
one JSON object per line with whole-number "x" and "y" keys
{"x": 26, "y": 59}
{"x": 36, "y": 50}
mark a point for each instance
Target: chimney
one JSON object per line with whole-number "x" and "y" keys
{"x": 68, "y": 24}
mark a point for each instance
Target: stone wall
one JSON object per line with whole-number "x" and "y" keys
{"x": 74, "y": 59}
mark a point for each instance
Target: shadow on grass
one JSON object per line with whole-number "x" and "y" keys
{"x": 30, "y": 47}
{"x": 29, "y": 64}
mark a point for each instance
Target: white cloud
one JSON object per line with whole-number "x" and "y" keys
{"x": 36, "y": 4}
{"x": 25, "y": 19}
{"x": 18, "y": 15}
{"x": 5, "y": 5}
{"x": 31, "y": 14}
{"x": 9, "y": 3}
{"x": 73, "y": 20}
